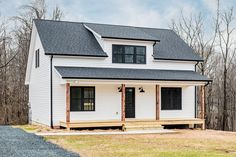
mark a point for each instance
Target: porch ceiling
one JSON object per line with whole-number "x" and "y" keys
{"x": 110, "y": 74}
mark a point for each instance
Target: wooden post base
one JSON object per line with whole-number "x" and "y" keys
{"x": 68, "y": 127}
{"x": 203, "y": 126}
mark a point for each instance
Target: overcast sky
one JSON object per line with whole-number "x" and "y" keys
{"x": 151, "y": 13}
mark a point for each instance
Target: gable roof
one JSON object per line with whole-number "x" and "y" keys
{"x": 67, "y": 38}
{"x": 129, "y": 74}
{"x": 73, "y": 38}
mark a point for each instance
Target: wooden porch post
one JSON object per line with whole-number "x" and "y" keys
{"x": 203, "y": 105}
{"x": 157, "y": 102}
{"x": 123, "y": 102}
{"x": 68, "y": 106}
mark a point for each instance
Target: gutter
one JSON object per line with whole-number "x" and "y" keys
{"x": 51, "y": 94}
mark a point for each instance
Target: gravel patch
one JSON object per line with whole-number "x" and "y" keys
{"x": 15, "y": 142}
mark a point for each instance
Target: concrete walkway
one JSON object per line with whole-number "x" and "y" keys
{"x": 15, "y": 142}
{"x": 131, "y": 132}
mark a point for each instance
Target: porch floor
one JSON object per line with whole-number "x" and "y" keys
{"x": 132, "y": 122}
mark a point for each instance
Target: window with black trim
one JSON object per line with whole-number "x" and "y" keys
{"x": 171, "y": 98}
{"x": 82, "y": 98}
{"x": 128, "y": 54}
{"x": 37, "y": 58}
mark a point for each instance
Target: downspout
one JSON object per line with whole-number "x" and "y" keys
{"x": 195, "y": 92}
{"x": 51, "y": 92}
{"x": 155, "y": 42}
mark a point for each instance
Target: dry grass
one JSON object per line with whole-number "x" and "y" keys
{"x": 35, "y": 128}
{"x": 46, "y": 129}
{"x": 187, "y": 143}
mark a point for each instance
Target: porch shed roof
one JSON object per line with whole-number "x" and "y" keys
{"x": 129, "y": 74}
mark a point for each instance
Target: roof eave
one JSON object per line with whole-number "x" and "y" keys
{"x": 175, "y": 59}
{"x": 153, "y": 40}
{"x": 101, "y": 78}
{"x": 82, "y": 55}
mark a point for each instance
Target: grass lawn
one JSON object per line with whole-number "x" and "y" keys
{"x": 185, "y": 143}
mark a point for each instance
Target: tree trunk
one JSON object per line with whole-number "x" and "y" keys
{"x": 225, "y": 109}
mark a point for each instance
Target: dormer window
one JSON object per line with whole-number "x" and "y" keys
{"x": 128, "y": 54}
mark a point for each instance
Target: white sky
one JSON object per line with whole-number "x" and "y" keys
{"x": 151, "y": 13}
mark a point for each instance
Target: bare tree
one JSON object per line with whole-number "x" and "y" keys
{"x": 228, "y": 51}
{"x": 14, "y": 48}
{"x": 57, "y": 14}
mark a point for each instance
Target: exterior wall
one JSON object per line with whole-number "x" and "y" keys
{"x": 39, "y": 85}
{"x": 107, "y": 61}
{"x": 107, "y": 103}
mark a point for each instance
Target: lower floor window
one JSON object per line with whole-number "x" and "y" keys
{"x": 82, "y": 99}
{"x": 171, "y": 98}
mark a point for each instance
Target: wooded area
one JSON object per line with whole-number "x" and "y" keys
{"x": 14, "y": 46}
{"x": 215, "y": 44}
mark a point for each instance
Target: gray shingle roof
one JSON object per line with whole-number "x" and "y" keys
{"x": 171, "y": 46}
{"x": 72, "y": 38}
{"x": 121, "y": 32}
{"x": 129, "y": 74}
{"x": 67, "y": 38}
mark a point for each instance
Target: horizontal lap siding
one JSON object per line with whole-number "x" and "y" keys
{"x": 107, "y": 104}
{"x": 39, "y": 87}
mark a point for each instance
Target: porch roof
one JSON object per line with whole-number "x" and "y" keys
{"x": 129, "y": 74}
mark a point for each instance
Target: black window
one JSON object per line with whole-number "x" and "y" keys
{"x": 128, "y": 54}
{"x": 37, "y": 58}
{"x": 171, "y": 98}
{"x": 82, "y": 99}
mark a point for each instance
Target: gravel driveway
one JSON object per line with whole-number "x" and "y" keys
{"x": 15, "y": 142}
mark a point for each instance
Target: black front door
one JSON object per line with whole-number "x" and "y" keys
{"x": 129, "y": 102}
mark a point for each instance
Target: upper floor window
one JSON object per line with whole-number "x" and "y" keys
{"x": 128, "y": 54}
{"x": 37, "y": 58}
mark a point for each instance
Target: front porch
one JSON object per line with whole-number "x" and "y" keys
{"x": 134, "y": 123}
{"x": 159, "y": 116}
{"x": 106, "y": 97}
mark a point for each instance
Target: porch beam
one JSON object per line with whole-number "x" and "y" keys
{"x": 123, "y": 102}
{"x": 68, "y": 105}
{"x": 203, "y": 105}
{"x": 157, "y": 102}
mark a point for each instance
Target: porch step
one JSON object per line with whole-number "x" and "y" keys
{"x": 142, "y": 127}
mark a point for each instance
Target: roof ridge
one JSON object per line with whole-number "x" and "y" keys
{"x": 99, "y": 24}
{"x": 57, "y": 21}
{"x": 125, "y": 25}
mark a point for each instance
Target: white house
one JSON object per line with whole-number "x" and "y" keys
{"x": 86, "y": 74}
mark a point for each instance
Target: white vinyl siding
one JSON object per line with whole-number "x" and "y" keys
{"x": 39, "y": 86}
